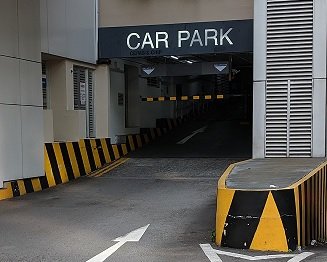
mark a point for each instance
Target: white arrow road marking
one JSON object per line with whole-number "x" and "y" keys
{"x": 200, "y": 130}
{"x": 212, "y": 254}
{"x": 133, "y": 236}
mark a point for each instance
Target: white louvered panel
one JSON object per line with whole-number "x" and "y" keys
{"x": 289, "y": 60}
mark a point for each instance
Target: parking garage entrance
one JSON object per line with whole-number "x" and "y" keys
{"x": 199, "y": 71}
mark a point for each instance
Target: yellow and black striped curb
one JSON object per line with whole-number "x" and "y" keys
{"x": 274, "y": 220}
{"x": 149, "y": 134}
{"x": 182, "y": 98}
{"x": 66, "y": 161}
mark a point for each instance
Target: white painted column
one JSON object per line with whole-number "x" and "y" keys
{"x": 21, "y": 111}
{"x": 259, "y": 77}
{"x": 319, "y": 79}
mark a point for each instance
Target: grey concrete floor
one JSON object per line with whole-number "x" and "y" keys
{"x": 170, "y": 187}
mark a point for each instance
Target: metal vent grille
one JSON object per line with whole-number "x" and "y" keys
{"x": 79, "y": 74}
{"x": 91, "y": 123}
{"x": 289, "y": 78}
{"x": 44, "y": 86}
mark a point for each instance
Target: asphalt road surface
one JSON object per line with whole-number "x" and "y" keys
{"x": 170, "y": 186}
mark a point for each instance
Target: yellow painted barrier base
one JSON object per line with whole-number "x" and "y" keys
{"x": 273, "y": 220}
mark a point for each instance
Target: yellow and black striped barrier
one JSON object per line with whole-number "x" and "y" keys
{"x": 66, "y": 161}
{"x": 182, "y": 98}
{"x": 273, "y": 220}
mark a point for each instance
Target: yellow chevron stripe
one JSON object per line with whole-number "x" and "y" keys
{"x": 161, "y": 98}
{"x": 105, "y": 150}
{"x": 36, "y": 184}
{"x": 124, "y": 148}
{"x": 196, "y": 97}
{"x": 95, "y": 153}
{"x": 131, "y": 142}
{"x": 298, "y": 215}
{"x": 48, "y": 170}
{"x": 270, "y": 234}
{"x": 73, "y": 160}
{"x": 146, "y": 138}
{"x": 139, "y": 141}
{"x": 85, "y": 158}
{"x": 116, "y": 152}
{"x": 220, "y": 96}
{"x": 21, "y": 186}
{"x": 207, "y": 97}
{"x": 149, "y": 99}
{"x": 224, "y": 201}
{"x": 6, "y": 191}
{"x": 61, "y": 163}
{"x": 172, "y": 98}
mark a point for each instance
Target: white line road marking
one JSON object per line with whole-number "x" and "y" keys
{"x": 212, "y": 254}
{"x": 200, "y": 130}
{"x": 133, "y": 236}
{"x": 301, "y": 257}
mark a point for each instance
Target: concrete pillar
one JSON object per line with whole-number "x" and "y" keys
{"x": 319, "y": 79}
{"x": 259, "y": 77}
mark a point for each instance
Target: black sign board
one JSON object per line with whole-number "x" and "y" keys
{"x": 210, "y": 68}
{"x": 176, "y": 39}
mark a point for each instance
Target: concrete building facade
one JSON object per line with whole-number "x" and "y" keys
{"x": 56, "y": 85}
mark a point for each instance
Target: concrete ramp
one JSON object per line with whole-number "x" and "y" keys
{"x": 272, "y": 204}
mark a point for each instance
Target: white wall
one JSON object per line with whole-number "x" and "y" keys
{"x": 69, "y": 29}
{"x": 117, "y": 112}
{"x": 21, "y": 113}
{"x": 102, "y": 80}
{"x": 48, "y": 126}
{"x": 68, "y": 124}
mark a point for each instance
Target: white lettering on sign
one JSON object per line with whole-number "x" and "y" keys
{"x": 213, "y": 37}
{"x": 164, "y": 39}
{"x": 196, "y": 38}
{"x": 225, "y": 36}
{"x": 147, "y": 41}
{"x": 129, "y": 41}
{"x": 185, "y": 38}
{"x": 209, "y": 34}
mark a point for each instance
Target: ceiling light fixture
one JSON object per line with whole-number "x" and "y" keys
{"x": 189, "y": 61}
{"x": 174, "y": 57}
